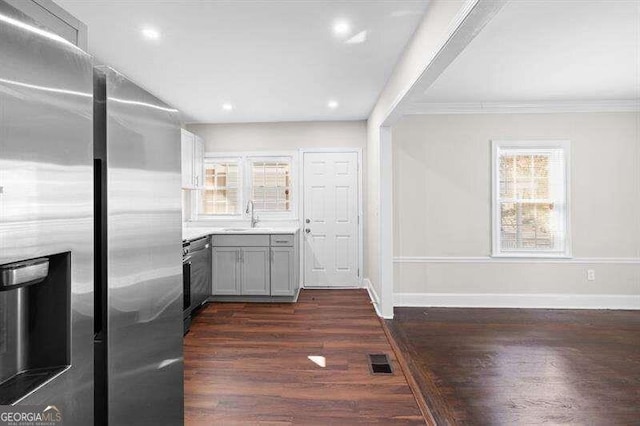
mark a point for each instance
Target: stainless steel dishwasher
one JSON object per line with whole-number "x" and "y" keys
{"x": 197, "y": 276}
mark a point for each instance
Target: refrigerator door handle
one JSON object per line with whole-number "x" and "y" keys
{"x": 99, "y": 266}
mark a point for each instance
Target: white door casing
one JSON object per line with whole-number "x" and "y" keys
{"x": 330, "y": 219}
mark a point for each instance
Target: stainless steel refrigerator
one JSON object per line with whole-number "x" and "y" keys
{"x": 139, "y": 364}
{"x": 101, "y": 341}
{"x": 46, "y": 220}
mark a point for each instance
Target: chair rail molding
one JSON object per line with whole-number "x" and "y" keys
{"x": 528, "y": 260}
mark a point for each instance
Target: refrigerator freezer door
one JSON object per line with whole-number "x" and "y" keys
{"x": 144, "y": 256}
{"x": 46, "y": 196}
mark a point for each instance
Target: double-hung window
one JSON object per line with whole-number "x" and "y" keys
{"x": 232, "y": 181}
{"x": 222, "y": 191}
{"x": 271, "y": 184}
{"x": 530, "y": 198}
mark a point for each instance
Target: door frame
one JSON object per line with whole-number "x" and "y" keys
{"x": 337, "y": 150}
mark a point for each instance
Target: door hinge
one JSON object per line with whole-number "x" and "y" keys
{"x": 358, "y": 272}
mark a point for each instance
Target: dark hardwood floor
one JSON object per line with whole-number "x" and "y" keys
{"x": 523, "y": 366}
{"x": 248, "y": 363}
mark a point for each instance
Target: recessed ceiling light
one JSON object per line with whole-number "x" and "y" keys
{"x": 333, "y": 104}
{"x": 150, "y": 33}
{"x": 227, "y": 107}
{"x": 341, "y": 27}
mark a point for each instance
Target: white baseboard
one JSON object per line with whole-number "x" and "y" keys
{"x": 375, "y": 299}
{"x": 543, "y": 301}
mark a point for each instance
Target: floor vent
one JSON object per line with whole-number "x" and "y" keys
{"x": 379, "y": 364}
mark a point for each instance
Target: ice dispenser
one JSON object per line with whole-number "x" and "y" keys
{"x": 23, "y": 273}
{"x": 34, "y": 323}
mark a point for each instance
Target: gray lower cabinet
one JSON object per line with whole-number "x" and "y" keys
{"x": 255, "y": 265}
{"x": 283, "y": 271}
{"x": 226, "y": 271}
{"x": 254, "y": 271}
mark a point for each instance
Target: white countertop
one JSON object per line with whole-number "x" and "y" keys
{"x": 197, "y": 232}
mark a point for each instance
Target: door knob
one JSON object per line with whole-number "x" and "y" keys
{"x": 308, "y": 220}
{"x": 307, "y": 230}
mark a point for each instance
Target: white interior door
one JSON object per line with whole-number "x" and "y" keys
{"x": 331, "y": 240}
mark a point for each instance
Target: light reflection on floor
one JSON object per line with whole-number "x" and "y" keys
{"x": 319, "y": 360}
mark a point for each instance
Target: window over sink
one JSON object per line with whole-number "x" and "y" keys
{"x": 222, "y": 187}
{"x": 271, "y": 184}
{"x": 231, "y": 181}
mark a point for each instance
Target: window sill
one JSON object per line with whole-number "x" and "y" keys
{"x": 261, "y": 218}
{"x": 207, "y": 218}
{"x": 531, "y": 256}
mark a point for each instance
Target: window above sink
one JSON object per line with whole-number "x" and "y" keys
{"x": 231, "y": 181}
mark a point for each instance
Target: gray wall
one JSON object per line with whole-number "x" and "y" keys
{"x": 442, "y": 204}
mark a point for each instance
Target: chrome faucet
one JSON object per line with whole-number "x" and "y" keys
{"x": 254, "y": 219}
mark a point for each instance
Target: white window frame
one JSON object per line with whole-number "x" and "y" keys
{"x": 245, "y": 159}
{"x": 241, "y": 188}
{"x": 274, "y": 215}
{"x": 496, "y": 146}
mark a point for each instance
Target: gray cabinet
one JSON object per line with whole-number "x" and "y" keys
{"x": 255, "y": 265}
{"x": 241, "y": 271}
{"x": 283, "y": 271}
{"x": 226, "y": 271}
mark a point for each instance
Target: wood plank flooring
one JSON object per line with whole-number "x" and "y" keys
{"x": 248, "y": 364}
{"x": 523, "y": 366}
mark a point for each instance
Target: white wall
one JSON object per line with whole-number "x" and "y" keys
{"x": 425, "y": 43}
{"x": 442, "y": 204}
{"x": 284, "y": 136}
{"x": 281, "y": 136}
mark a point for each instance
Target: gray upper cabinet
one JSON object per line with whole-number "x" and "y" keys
{"x": 283, "y": 271}
{"x": 226, "y": 271}
{"x": 254, "y": 264}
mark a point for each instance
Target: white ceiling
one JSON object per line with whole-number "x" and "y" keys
{"x": 272, "y": 60}
{"x": 549, "y": 51}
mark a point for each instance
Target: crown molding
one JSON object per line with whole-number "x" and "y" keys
{"x": 630, "y": 105}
